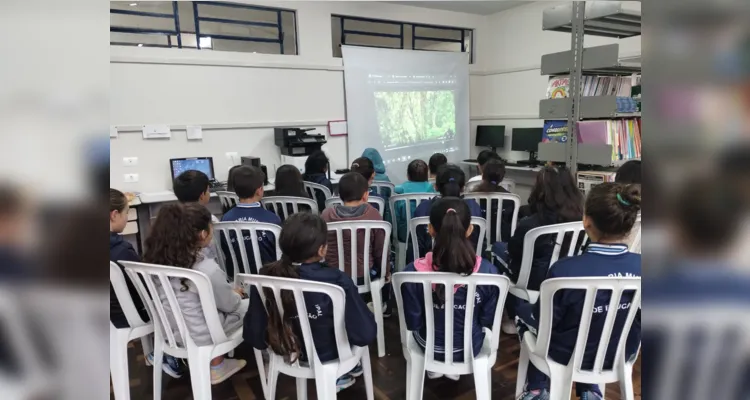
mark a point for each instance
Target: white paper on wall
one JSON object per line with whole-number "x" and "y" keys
{"x": 113, "y": 131}
{"x": 156, "y": 132}
{"x": 194, "y": 133}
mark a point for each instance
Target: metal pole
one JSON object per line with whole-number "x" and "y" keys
{"x": 576, "y": 47}
{"x": 197, "y": 27}
{"x": 176, "y": 11}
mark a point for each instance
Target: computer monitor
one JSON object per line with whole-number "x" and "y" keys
{"x": 203, "y": 164}
{"x": 527, "y": 139}
{"x": 490, "y": 136}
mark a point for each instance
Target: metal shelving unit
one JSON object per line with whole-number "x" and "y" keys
{"x": 610, "y": 19}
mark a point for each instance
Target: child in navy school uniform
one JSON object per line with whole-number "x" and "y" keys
{"x": 450, "y": 182}
{"x": 609, "y": 214}
{"x": 303, "y": 244}
{"x": 316, "y": 167}
{"x": 248, "y": 184}
{"x": 450, "y": 225}
{"x": 493, "y": 172}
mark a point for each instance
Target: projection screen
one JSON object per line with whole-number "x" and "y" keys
{"x": 406, "y": 104}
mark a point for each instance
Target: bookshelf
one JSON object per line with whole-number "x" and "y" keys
{"x": 579, "y": 18}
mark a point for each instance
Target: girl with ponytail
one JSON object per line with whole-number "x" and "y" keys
{"x": 450, "y": 182}
{"x": 180, "y": 237}
{"x": 303, "y": 243}
{"x": 450, "y": 226}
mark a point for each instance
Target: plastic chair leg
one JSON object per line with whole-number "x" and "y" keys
{"x": 482, "y": 379}
{"x": 401, "y": 256}
{"x": 367, "y": 368}
{"x": 415, "y": 372}
{"x": 261, "y": 372}
{"x": 626, "y": 383}
{"x": 118, "y": 365}
{"x": 273, "y": 377}
{"x": 560, "y": 384}
{"x": 147, "y": 345}
{"x": 325, "y": 382}
{"x": 158, "y": 361}
{"x": 377, "y": 306}
{"x": 523, "y": 367}
{"x": 301, "y": 389}
{"x": 199, "y": 359}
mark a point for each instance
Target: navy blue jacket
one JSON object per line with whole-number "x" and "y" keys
{"x": 321, "y": 179}
{"x": 484, "y": 314}
{"x": 360, "y": 322}
{"x": 599, "y": 260}
{"x": 254, "y": 212}
{"x": 121, "y": 250}
{"x": 423, "y": 236}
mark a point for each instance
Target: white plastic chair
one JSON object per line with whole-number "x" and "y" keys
{"x": 324, "y": 373}
{"x": 507, "y": 184}
{"x": 223, "y": 229}
{"x": 418, "y": 361}
{"x": 374, "y": 201}
{"x": 228, "y": 199}
{"x": 278, "y": 205}
{"x": 414, "y": 223}
{"x": 520, "y": 289}
{"x": 311, "y": 188}
{"x": 380, "y": 187}
{"x": 372, "y": 287}
{"x": 199, "y": 357}
{"x": 407, "y": 200}
{"x": 635, "y": 246}
{"x": 120, "y": 337}
{"x": 489, "y": 200}
{"x": 535, "y": 348}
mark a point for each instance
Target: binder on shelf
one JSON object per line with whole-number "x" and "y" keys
{"x": 608, "y": 141}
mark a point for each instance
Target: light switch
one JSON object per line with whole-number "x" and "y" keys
{"x": 130, "y": 161}
{"x": 131, "y": 178}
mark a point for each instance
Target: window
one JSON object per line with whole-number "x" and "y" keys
{"x": 204, "y": 25}
{"x": 356, "y": 31}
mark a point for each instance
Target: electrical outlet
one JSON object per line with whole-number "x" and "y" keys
{"x": 130, "y": 161}
{"x": 131, "y": 178}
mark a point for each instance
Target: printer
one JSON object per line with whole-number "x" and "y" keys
{"x": 297, "y": 141}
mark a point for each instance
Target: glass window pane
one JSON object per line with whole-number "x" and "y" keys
{"x": 374, "y": 27}
{"x": 262, "y": 32}
{"x": 289, "y": 29}
{"x": 237, "y": 13}
{"x": 437, "y": 33}
{"x": 336, "y": 32}
{"x": 138, "y": 21}
{"x": 124, "y": 39}
{"x": 437, "y": 46}
{"x": 375, "y": 41}
{"x": 162, "y": 7}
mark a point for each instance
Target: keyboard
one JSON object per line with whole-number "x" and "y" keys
{"x": 216, "y": 186}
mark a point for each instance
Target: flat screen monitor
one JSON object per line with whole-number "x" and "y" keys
{"x": 203, "y": 164}
{"x": 490, "y": 136}
{"x": 526, "y": 139}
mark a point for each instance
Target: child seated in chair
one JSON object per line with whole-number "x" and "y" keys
{"x": 248, "y": 184}
{"x": 353, "y": 192}
{"x": 316, "y": 167}
{"x": 418, "y": 175}
{"x": 179, "y": 238}
{"x": 303, "y": 246}
{"x": 609, "y": 214}
{"x": 450, "y": 225}
{"x": 493, "y": 173}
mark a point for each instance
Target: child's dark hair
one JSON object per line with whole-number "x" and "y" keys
{"x": 117, "y": 200}
{"x": 630, "y": 172}
{"x": 301, "y": 237}
{"x": 289, "y": 182}
{"x": 613, "y": 208}
{"x": 486, "y": 155}
{"x": 417, "y": 171}
{"x": 174, "y": 239}
{"x": 316, "y": 163}
{"x": 190, "y": 185}
{"x": 247, "y": 180}
{"x": 352, "y": 187}
{"x": 230, "y": 178}
{"x": 493, "y": 173}
{"x": 436, "y": 161}
{"x": 453, "y": 252}
{"x": 555, "y": 191}
{"x": 363, "y": 166}
{"x": 450, "y": 180}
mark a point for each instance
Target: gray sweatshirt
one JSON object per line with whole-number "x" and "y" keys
{"x": 228, "y": 302}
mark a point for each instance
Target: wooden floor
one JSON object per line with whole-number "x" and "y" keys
{"x": 389, "y": 377}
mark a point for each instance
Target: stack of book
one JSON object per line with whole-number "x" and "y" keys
{"x": 620, "y": 86}
{"x": 623, "y": 134}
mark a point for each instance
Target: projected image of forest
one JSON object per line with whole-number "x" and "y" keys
{"x": 405, "y": 118}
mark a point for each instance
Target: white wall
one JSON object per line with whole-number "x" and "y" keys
{"x": 243, "y": 94}
{"x": 509, "y": 91}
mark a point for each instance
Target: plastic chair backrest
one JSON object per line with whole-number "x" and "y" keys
{"x": 228, "y": 199}
{"x": 575, "y": 228}
{"x": 311, "y": 188}
{"x": 146, "y": 276}
{"x": 223, "y": 229}
{"x": 591, "y": 285}
{"x": 381, "y": 186}
{"x": 507, "y": 184}
{"x": 407, "y": 199}
{"x": 450, "y": 280}
{"x": 298, "y": 287}
{"x": 376, "y": 202}
{"x": 352, "y": 227}
{"x": 278, "y": 205}
{"x": 120, "y": 286}
{"x": 495, "y": 220}
{"x": 415, "y": 223}
{"x": 635, "y": 246}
